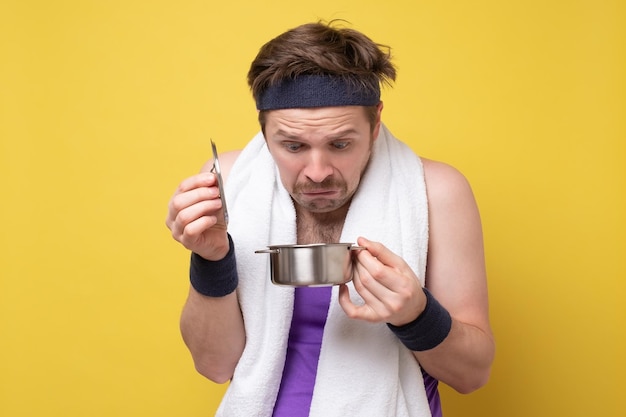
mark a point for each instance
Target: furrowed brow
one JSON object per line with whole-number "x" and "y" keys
{"x": 286, "y": 135}
{"x": 342, "y": 134}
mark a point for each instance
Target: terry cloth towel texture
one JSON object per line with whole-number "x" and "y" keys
{"x": 363, "y": 369}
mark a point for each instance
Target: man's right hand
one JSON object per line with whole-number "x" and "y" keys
{"x": 196, "y": 219}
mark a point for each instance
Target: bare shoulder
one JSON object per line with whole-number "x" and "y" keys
{"x": 456, "y": 266}
{"x": 445, "y": 184}
{"x": 227, "y": 160}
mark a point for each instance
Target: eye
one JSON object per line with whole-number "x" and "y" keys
{"x": 292, "y": 146}
{"x": 340, "y": 144}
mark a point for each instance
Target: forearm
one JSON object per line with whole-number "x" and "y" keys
{"x": 213, "y": 330}
{"x": 463, "y": 360}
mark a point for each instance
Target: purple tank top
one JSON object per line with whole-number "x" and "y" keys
{"x": 303, "y": 350}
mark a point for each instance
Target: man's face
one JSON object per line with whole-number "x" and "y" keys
{"x": 321, "y": 153}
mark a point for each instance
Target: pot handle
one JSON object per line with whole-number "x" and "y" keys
{"x": 267, "y": 251}
{"x": 358, "y": 248}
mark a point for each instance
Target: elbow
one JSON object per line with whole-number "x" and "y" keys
{"x": 478, "y": 375}
{"x": 217, "y": 373}
{"x": 472, "y": 383}
{"x": 474, "y": 378}
{"x": 218, "y": 378}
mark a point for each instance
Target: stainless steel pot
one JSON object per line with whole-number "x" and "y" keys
{"x": 314, "y": 265}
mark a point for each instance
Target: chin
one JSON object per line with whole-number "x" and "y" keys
{"x": 324, "y": 206}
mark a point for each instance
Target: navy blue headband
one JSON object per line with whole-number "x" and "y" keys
{"x": 316, "y": 91}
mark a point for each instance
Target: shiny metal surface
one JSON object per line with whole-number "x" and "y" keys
{"x": 312, "y": 265}
{"x": 220, "y": 183}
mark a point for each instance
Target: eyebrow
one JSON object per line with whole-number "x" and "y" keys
{"x": 335, "y": 136}
{"x": 286, "y": 135}
{"x": 343, "y": 133}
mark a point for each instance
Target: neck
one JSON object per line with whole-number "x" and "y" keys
{"x": 320, "y": 227}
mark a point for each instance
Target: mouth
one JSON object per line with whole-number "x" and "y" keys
{"x": 328, "y": 192}
{"x": 320, "y": 193}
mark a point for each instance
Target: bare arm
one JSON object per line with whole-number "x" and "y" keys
{"x": 455, "y": 276}
{"x": 212, "y": 327}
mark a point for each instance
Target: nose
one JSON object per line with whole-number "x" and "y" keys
{"x": 318, "y": 167}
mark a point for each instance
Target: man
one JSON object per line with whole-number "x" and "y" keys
{"x": 325, "y": 169}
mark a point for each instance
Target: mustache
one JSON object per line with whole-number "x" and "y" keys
{"x": 329, "y": 183}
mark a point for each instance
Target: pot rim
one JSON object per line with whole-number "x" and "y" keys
{"x": 309, "y": 245}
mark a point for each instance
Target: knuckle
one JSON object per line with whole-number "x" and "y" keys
{"x": 395, "y": 306}
{"x": 176, "y": 204}
{"x": 361, "y": 280}
{"x": 351, "y": 313}
{"x": 184, "y": 218}
{"x": 377, "y": 272}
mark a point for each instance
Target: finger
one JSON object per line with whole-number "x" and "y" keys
{"x": 375, "y": 295}
{"x": 367, "y": 285}
{"x": 182, "y": 200}
{"x": 186, "y": 199}
{"x": 203, "y": 179}
{"x": 344, "y": 297}
{"x": 370, "y": 307}
{"x": 373, "y": 276}
{"x": 382, "y": 263}
{"x": 206, "y": 208}
{"x": 361, "y": 312}
{"x": 389, "y": 292}
{"x": 192, "y": 234}
{"x": 195, "y": 219}
{"x": 380, "y": 252}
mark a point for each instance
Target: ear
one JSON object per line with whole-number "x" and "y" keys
{"x": 379, "y": 110}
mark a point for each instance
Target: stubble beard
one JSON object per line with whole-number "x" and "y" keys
{"x": 321, "y": 205}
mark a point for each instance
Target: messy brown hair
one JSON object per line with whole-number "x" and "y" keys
{"x": 321, "y": 49}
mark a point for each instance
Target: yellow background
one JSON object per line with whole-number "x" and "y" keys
{"x": 106, "y": 105}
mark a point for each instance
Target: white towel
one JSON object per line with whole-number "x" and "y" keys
{"x": 363, "y": 369}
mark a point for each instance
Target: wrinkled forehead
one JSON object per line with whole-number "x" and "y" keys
{"x": 324, "y": 120}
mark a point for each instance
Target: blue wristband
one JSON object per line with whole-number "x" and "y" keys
{"x": 428, "y": 330}
{"x": 214, "y": 278}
